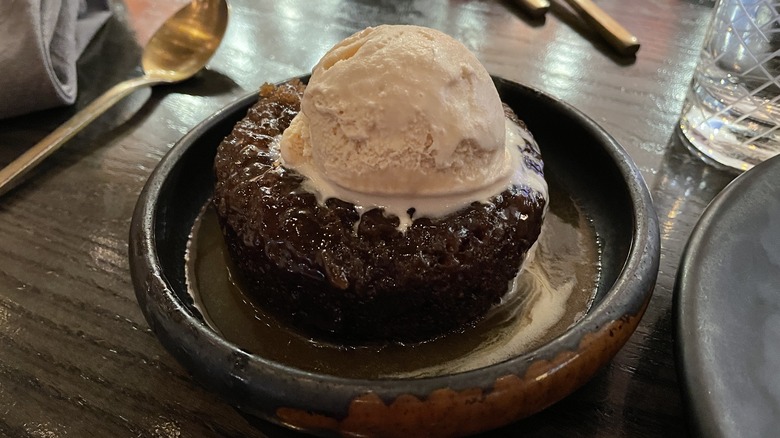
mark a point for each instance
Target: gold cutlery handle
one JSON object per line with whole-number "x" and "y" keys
{"x": 11, "y": 174}
{"x": 616, "y": 35}
{"x": 536, "y": 8}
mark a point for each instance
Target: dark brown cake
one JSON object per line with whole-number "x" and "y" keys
{"x": 310, "y": 264}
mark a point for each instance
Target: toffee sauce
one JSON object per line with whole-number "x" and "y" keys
{"x": 554, "y": 289}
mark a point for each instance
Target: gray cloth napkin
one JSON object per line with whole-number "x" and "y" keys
{"x": 40, "y": 41}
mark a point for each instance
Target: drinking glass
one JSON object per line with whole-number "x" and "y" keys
{"x": 731, "y": 113}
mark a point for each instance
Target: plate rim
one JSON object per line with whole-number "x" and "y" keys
{"x": 704, "y": 417}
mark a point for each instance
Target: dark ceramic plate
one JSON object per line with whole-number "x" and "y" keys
{"x": 727, "y": 309}
{"x": 589, "y": 166}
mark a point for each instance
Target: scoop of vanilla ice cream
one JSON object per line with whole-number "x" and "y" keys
{"x": 400, "y": 111}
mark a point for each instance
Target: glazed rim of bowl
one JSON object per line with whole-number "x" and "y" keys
{"x": 520, "y": 386}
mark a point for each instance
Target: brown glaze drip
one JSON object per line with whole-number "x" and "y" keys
{"x": 331, "y": 271}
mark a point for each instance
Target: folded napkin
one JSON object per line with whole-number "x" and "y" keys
{"x": 40, "y": 41}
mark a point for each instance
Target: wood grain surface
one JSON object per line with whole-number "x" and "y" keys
{"x": 77, "y": 358}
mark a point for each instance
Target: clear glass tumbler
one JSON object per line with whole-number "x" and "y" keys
{"x": 732, "y": 111}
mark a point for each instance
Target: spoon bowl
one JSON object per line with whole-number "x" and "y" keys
{"x": 186, "y": 41}
{"x": 179, "y": 49}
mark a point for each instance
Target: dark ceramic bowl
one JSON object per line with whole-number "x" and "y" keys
{"x": 589, "y": 164}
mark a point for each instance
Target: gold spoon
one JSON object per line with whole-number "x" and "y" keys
{"x": 180, "y": 48}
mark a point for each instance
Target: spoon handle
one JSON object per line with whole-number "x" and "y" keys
{"x": 11, "y": 174}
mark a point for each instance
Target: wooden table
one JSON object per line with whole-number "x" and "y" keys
{"x": 77, "y": 358}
